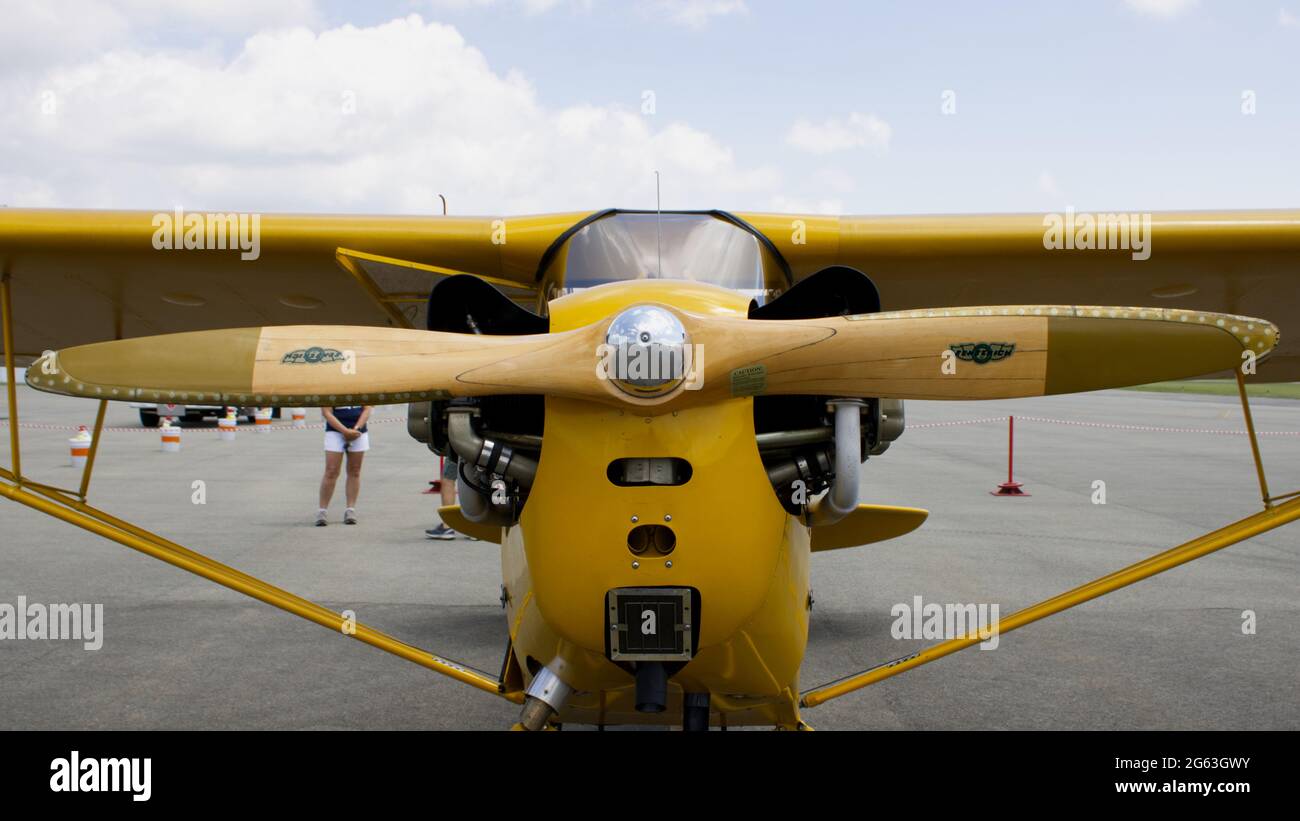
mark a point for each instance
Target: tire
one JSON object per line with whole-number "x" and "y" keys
{"x": 149, "y": 418}
{"x": 275, "y": 413}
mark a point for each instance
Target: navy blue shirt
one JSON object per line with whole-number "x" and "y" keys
{"x": 348, "y": 416}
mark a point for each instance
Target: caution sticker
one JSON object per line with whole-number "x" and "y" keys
{"x": 749, "y": 381}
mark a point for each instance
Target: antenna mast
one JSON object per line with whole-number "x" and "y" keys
{"x": 659, "y": 254}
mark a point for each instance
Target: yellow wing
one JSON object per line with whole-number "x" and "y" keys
{"x": 1235, "y": 262}
{"x": 88, "y": 276}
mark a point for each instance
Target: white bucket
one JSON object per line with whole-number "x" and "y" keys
{"x": 299, "y": 418}
{"x": 171, "y": 438}
{"x": 262, "y": 420}
{"x": 79, "y": 448}
{"x": 226, "y": 427}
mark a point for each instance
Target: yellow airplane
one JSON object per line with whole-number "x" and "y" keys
{"x": 697, "y": 389}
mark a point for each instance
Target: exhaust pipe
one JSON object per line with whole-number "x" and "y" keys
{"x": 695, "y": 712}
{"x": 800, "y": 467}
{"x": 545, "y": 697}
{"x": 651, "y": 687}
{"x": 478, "y": 507}
{"x": 485, "y": 458}
{"x": 842, "y": 498}
{"x": 491, "y": 456}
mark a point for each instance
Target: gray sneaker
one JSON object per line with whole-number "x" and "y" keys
{"x": 350, "y": 516}
{"x": 320, "y": 519}
{"x": 441, "y": 532}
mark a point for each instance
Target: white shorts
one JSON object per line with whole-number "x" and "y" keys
{"x": 335, "y": 443}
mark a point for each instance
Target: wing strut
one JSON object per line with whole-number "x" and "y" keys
{"x": 1238, "y": 531}
{"x": 6, "y": 319}
{"x": 70, "y": 506}
{"x": 61, "y": 506}
{"x": 1272, "y": 516}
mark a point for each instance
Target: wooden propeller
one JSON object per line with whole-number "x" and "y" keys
{"x": 954, "y": 353}
{"x": 995, "y": 352}
{"x": 319, "y": 365}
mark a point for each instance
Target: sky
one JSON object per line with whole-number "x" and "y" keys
{"x": 527, "y": 106}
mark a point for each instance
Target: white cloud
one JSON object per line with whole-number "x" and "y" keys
{"x": 529, "y": 6}
{"x": 456, "y": 5}
{"x": 539, "y": 6}
{"x": 42, "y": 32}
{"x": 35, "y": 35}
{"x": 855, "y": 131}
{"x": 1167, "y": 9}
{"x": 835, "y": 179}
{"x": 353, "y": 119}
{"x": 1047, "y": 185}
{"x": 695, "y": 14}
{"x": 1287, "y": 19}
{"x": 781, "y": 204}
{"x": 228, "y": 16}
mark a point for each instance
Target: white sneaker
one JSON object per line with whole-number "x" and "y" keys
{"x": 350, "y": 516}
{"x": 320, "y": 519}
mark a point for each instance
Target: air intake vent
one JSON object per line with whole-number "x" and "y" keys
{"x": 653, "y": 470}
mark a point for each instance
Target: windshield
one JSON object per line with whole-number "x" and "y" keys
{"x": 697, "y": 247}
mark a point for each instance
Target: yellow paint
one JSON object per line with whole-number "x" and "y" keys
{"x": 735, "y": 544}
{"x": 1262, "y": 522}
{"x": 747, "y": 558}
{"x": 85, "y": 276}
{"x": 868, "y": 524}
{"x": 63, "y": 505}
{"x": 453, "y": 518}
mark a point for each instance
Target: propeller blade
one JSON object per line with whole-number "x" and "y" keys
{"x": 973, "y": 353}
{"x": 315, "y": 365}
{"x": 940, "y": 353}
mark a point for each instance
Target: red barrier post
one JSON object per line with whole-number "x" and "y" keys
{"x": 1010, "y": 487}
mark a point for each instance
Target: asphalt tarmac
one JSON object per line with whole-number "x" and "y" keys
{"x": 180, "y": 652}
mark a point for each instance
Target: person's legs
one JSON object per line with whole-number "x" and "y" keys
{"x": 448, "y": 491}
{"x": 333, "y": 461}
{"x": 353, "y": 488}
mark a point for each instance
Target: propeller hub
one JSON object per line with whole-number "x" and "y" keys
{"x": 646, "y": 351}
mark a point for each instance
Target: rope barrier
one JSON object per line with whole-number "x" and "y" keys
{"x": 1105, "y": 425}
{"x": 1154, "y": 429}
{"x": 120, "y": 429}
{"x": 912, "y": 426}
{"x": 985, "y": 420}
